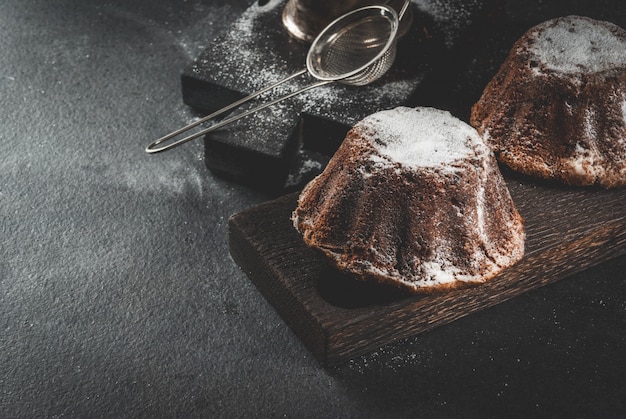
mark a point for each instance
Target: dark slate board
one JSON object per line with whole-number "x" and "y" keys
{"x": 568, "y": 230}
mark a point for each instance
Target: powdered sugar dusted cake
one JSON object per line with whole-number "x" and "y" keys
{"x": 557, "y": 107}
{"x": 412, "y": 198}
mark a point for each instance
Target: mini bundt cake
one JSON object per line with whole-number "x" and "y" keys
{"x": 414, "y": 198}
{"x": 556, "y": 109}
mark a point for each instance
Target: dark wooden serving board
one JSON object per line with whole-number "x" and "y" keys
{"x": 568, "y": 230}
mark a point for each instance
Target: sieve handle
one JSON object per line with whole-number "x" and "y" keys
{"x": 396, "y": 6}
{"x": 152, "y": 148}
{"x": 403, "y": 10}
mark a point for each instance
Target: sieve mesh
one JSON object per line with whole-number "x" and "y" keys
{"x": 354, "y": 47}
{"x": 355, "y": 53}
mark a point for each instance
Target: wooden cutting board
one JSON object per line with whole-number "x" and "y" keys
{"x": 568, "y": 230}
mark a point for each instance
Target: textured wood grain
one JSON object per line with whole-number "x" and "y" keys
{"x": 568, "y": 230}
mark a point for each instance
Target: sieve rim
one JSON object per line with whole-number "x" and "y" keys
{"x": 333, "y": 28}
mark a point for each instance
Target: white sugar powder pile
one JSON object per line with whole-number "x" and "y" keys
{"x": 423, "y": 137}
{"x": 574, "y": 44}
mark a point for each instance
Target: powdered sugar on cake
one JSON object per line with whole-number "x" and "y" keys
{"x": 423, "y": 137}
{"x": 579, "y": 44}
{"x": 412, "y": 198}
{"x": 556, "y": 109}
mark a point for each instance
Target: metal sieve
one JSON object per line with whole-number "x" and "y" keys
{"x": 355, "y": 49}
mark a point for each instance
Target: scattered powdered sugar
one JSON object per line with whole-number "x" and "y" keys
{"x": 339, "y": 102}
{"x": 423, "y": 137}
{"x": 572, "y": 44}
{"x": 306, "y": 166}
{"x": 452, "y": 18}
{"x": 243, "y": 60}
{"x": 624, "y": 110}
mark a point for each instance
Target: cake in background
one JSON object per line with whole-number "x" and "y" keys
{"x": 556, "y": 109}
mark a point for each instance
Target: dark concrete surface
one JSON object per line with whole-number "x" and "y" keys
{"x": 118, "y": 296}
